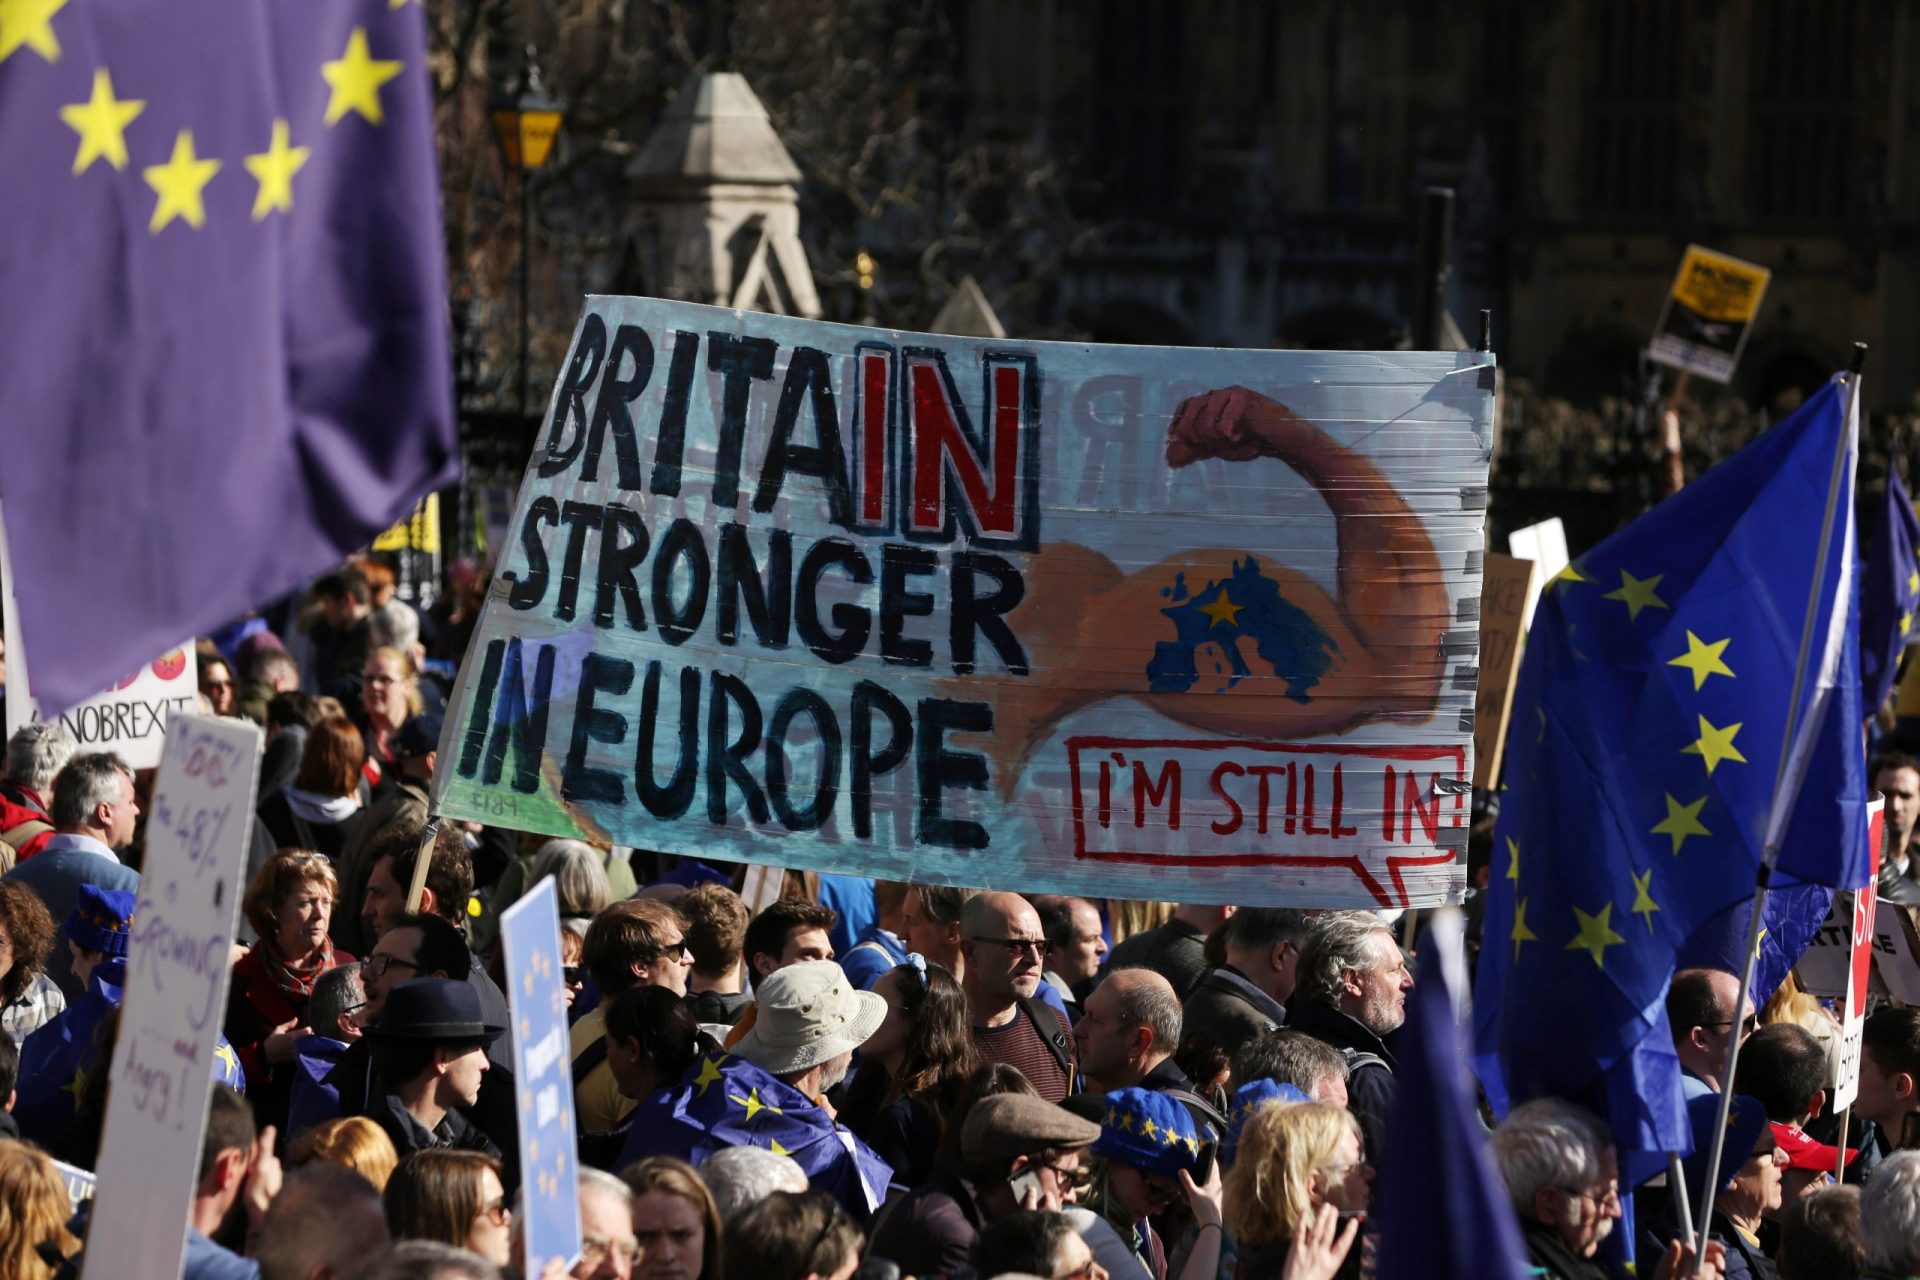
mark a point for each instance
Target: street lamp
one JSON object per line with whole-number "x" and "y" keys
{"x": 525, "y": 126}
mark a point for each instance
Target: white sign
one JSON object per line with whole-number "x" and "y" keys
{"x": 129, "y": 719}
{"x": 178, "y": 962}
{"x": 1853, "y": 1009}
{"x": 1546, "y": 545}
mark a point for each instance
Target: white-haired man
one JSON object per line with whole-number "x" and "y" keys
{"x": 35, "y": 755}
{"x": 1351, "y": 992}
{"x": 1890, "y": 1217}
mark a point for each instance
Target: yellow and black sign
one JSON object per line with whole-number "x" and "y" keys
{"x": 1709, "y": 312}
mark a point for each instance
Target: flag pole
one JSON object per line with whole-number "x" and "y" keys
{"x": 1677, "y": 1181}
{"x": 1840, "y": 1147}
{"x": 1770, "y": 850}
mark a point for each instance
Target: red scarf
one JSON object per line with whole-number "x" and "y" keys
{"x": 296, "y": 982}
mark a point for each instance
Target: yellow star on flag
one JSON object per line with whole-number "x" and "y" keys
{"x": 1513, "y": 859}
{"x": 1596, "y": 935}
{"x": 773, "y": 1144}
{"x": 178, "y": 183}
{"x": 1520, "y": 931}
{"x": 1682, "y": 820}
{"x": 1703, "y": 659}
{"x": 76, "y": 1086}
{"x": 1714, "y": 745}
{"x": 101, "y": 121}
{"x": 1569, "y": 574}
{"x": 709, "y": 1074}
{"x": 1223, "y": 610}
{"x": 355, "y": 78}
{"x": 1643, "y": 903}
{"x": 224, "y": 1053}
{"x": 753, "y": 1104}
{"x": 1637, "y": 593}
{"x": 29, "y": 23}
{"x": 1906, "y": 622}
{"x": 1913, "y": 582}
{"x": 273, "y": 169}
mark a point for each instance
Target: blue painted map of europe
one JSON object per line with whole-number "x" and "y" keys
{"x": 1124, "y": 621}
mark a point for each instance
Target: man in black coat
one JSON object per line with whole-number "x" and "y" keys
{"x": 1248, "y": 994}
{"x": 1351, "y": 993}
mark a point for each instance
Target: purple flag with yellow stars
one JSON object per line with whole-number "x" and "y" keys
{"x": 1690, "y": 696}
{"x": 223, "y": 351}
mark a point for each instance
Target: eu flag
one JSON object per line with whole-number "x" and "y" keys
{"x": 726, "y": 1101}
{"x": 1651, "y": 735}
{"x": 1889, "y": 594}
{"x": 1443, "y": 1208}
{"x": 223, "y": 354}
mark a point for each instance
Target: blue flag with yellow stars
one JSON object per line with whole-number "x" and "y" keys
{"x": 726, "y": 1101}
{"x": 1651, "y": 724}
{"x": 223, "y": 351}
{"x": 58, "y": 1059}
{"x": 1889, "y": 594}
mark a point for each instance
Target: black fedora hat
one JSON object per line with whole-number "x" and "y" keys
{"x": 432, "y": 1011}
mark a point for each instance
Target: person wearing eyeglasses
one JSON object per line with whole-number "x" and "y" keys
{"x": 217, "y": 686}
{"x": 454, "y": 1198}
{"x": 913, "y": 1069}
{"x": 637, "y": 942}
{"x": 1005, "y": 951}
{"x": 1700, "y": 1014}
{"x": 1035, "y": 1242}
{"x": 1144, "y": 1164}
{"x": 608, "y": 1247}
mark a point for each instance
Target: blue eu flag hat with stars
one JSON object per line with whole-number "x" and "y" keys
{"x": 1654, "y": 725}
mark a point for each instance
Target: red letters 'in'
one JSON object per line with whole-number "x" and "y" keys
{"x": 939, "y": 443}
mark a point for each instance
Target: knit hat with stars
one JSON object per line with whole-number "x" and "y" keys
{"x": 102, "y": 920}
{"x": 1147, "y": 1131}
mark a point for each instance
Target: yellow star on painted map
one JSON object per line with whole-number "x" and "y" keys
{"x": 355, "y": 78}
{"x": 1715, "y": 745}
{"x": 1520, "y": 932}
{"x": 273, "y": 169}
{"x": 1637, "y": 593}
{"x": 1596, "y": 934}
{"x": 1643, "y": 903}
{"x": 1223, "y": 610}
{"x": 709, "y": 1074}
{"x": 1513, "y": 859}
{"x": 753, "y": 1104}
{"x": 1682, "y": 820}
{"x": 1703, "y": 659}
{"x": 101, "y": 121}
{"x": 29, "y": 23}
{"x": 178, "y": 184}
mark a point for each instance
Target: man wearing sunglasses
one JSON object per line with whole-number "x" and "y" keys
{"x": 1700, "y": 1013}
{"x": 1005, "y": 949}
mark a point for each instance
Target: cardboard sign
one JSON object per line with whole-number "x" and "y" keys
{"x": 1853, "y": 1009}
{"x": 178, "y": 963}
{"x": 1708, "y": 314}
{"x": 419, "y": 531}
{"x": 530, "y": 931}
{"x": 973, "y": 611}
{"x": 1504, "y": 598}
{"x": 1546, "y": 545}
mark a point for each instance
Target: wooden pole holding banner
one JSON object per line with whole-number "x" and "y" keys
{"x": 1682, "y": 1207}
{"x": 1770, "y": 849}
{"x": 417, "y": 888}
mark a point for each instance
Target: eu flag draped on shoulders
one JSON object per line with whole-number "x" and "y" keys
{"x": 1889, "y": 594}
{"x": 224, "y": 356}
{"x": 726, "y": 1101}
{"x": 1650, "y": 740}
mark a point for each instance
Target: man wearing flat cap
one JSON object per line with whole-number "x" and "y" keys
{"x": 1017, "y": 1151}
{"x": 430, "y": 1047}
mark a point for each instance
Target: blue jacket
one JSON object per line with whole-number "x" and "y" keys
{"x": 56, "y": 874}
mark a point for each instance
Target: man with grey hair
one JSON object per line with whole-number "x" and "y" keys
{"x": 93, "y": 816}
{"x": 429, "y": 1260}
{"x": 1128, "y": 1032}
{"x": 320, "y": 1226}
{"x": 1285, "y": 1056}
{"x": 1562, "y": 1174}
{"x": 335, "y": 1013}
{"x": 609, "y": 1250}
{"x": 1890, "y": 1216}
{"x": 744, "y": 1176}
{"x": 1248, "y": 994}
{"x": 35, "y": 755}
{"x": 1351, "y": 991}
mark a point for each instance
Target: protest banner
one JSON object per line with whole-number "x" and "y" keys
{"x": 80, "y": 1183}
{"x": 1504, "y": 598}
{"x": 178, "y": 963}
{"x": 1708, "y": 313}
{"x": 530, "y": 931}
{"x": 130, "y": 719}
{"x": 1546, "y": 545}
{"x": 970, "y": 611}
{"x": 1853, "y": 1009}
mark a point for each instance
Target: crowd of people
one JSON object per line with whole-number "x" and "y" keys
{"x": 857, "y": 1077}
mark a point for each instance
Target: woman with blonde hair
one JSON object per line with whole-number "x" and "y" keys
{"x": 676, "y": 1221}
{"x": 452, "y": 1197}
{"x": 389, "y": 694}
{"x": 320, "y": 809}
{"x": 290, "y": 906}
{"x": 352, "y": 1142}
{"x": 1297, "y": 1168}
{"x": 34, "y": 1209}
